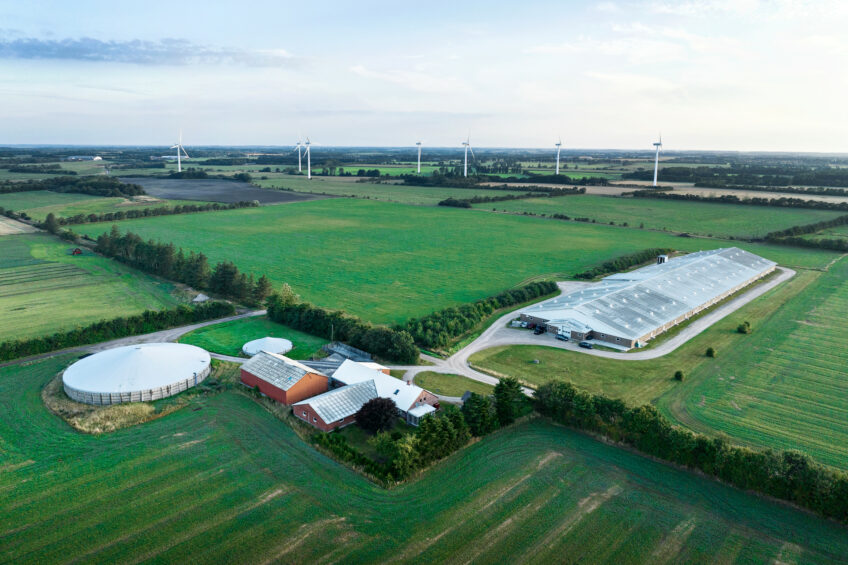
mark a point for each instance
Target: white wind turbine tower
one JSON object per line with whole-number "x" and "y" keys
{"x": 558, "y": 146}
{"x": 179, "y": 147}
{"x": 297, "y": 148}
{"x": 308, "y": 159}
{"x": 418, "y": 143}
{"x": 658, "y": 146}
{"x": 467, "y": 145}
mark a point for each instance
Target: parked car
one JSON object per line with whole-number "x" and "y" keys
{"x": 539, "y": 330}
{"x": 562, "y": 337}
{"x": 523, "y": 324}
{"x": 585, "y": 345}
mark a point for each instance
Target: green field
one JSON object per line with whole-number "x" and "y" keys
{"x": 44, "y": 289}
{"x": 450, "y": 385}
{"x": 389, "y": 262}
{"x": 693, "y": 217}
{"x": 37, "y": 204}
{"x": 229, "y": 337}
{"x": 784, "y": 386}
{"x": 224, "y": 481}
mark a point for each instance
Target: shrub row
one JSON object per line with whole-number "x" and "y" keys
{"x": 150, "y": 212}
{"x": 94, "y": 185}
{"x": 467, "y": 202}
{"x": 787, "y": 475}
{"x": 733, "y": 199}
{"x": 437, "y": 329}
{"x": 105, "y": 330}
{"x": 808, "y": 228}
{"x": 391, "y": 344}
{"x": 165, "y": 260}
{"x": 622, "y": 263}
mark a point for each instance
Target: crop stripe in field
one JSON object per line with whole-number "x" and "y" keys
{"x": 302, "y": 534}
{"x": 585, "y": 507}
{"x": 670, "y": 546}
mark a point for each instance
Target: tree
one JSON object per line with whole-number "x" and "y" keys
{"x": 376, "y": 415}
{"x": 711, "y": 352}
{"x": 50, "y": 223}
{"x": 261, "y": 290}
{"x": 678, "y": 375}
{"x": 509, "y": 400}
{"x": 744, "y": 327}
{"x": 479, "y": 412}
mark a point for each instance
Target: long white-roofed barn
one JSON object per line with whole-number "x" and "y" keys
{"x": 628, "y": 309}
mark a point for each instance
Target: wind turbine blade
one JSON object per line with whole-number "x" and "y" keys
{"x": 472, "y": 152}
{"x": 184, "y": 152}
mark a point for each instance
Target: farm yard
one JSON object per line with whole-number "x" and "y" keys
{"x": 229, "y": 337}
{"x": 208, "y": 481}
{"x": 790, "y": 369}
{"x": 387, "y": 264}
{"x": 44, "y": 289}
{"x": 720, "y": 220}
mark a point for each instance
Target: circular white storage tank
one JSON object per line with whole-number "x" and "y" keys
{"x": 269, "y": 344}
{"x": 136, "y": 373}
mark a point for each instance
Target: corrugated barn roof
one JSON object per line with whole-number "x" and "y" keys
{"x": 278, "y": 370}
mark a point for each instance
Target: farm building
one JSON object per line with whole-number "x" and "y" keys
{"x": 136, "y": 373}
{"x": 358, "y": 383}
{"x": 628, "y": 309}
{"x": 270, "y": 344}
{"x": 282, "y": 379}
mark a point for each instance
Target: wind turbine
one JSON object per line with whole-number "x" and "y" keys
{"x": 658, "y": 146}
{"x": 308, "y": 160}
{"x": 558, "y": 146}
{"x": 467, "y": 145}
{"x": 297, "y": 148}
{"x": 179, "y": 147}
{"x": 418, "y": 143}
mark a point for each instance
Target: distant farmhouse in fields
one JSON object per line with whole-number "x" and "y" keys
{"x": 628, "y": 309}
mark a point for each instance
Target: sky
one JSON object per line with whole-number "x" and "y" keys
{"x": 744, "y": 75}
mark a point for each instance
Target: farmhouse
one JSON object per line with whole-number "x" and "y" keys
{"x": 357, "y": 383}
{"x": 628, "y": 309}
{"x": 282, "y": 379}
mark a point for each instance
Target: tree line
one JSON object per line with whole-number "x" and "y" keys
{"x": 389, "y": 343}
{"x": 817, "y": 190}
{"x": 623, "y": 263}
{"x": 50, "y": 169}
{"x": 747, "y": 175}
{"x": 167, "y": 261}
{"x": 93, "y": 185}
{"x": 787, "y": 475}
{"x": 437, "y": 436}
{"x": 467, "y": 202}
{"x": 733, "y": 199}
{"x": 437, "y": 329}
{"x": 105, "y": 330}
{"x": 150, "y": 212}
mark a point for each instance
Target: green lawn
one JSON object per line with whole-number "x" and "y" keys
{"x": 44, "y": 289}
{"x": 388, "y": 262}
{"x": 704, "y": 218}
{"x": 224, "y": 481}
{"x": 450, "y": 385}
{"x": 784, "y": 386}
{"x": 37, "y": 204}
{"x": 229, "y": 337}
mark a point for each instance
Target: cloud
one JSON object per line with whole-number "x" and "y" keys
{"x": 177, "y": 52}
{"x": 415, "y": 80}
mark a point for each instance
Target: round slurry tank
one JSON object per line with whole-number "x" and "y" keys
{"x": 136, "y": 373}
{"x": 269, "y": 344}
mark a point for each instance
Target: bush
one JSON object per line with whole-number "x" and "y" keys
{"x": 744, "y": 328}
{"x": 678, "y": 376}
{"x": 510, "y": 402}
{"x": 711, "y": 352}
{"x": 376, "y": 415}
{"x": 621, "y": 263}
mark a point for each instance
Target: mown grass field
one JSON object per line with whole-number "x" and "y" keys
{"x": 785, "y": 386}
{"x": 229, "y": 337}
{"x": 450, "y": 385}
{"x": 44, "y": 289}
{"x": 703, "y": 218}
{"x": 388, "y": 262}
{"x": 224, "y": 481}
{"x": 37, "y": 204}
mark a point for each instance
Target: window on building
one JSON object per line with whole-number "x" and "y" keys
{"x": 304, "y": 413}
{"x": 314, "y": 419}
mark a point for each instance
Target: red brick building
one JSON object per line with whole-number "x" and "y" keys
{"x": 283, "y": 379}
{"x": 336, "y": 408}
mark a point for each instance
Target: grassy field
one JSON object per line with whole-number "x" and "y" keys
{"x": 37, "y": 204}
{"x": 450, "y": 385}
{"x": 389, "y": 262}
{"x": 791, "y": 369}
{"x": 693, "y": 217}
{"x": 44, "y": 289}
{"x": 224, "y": 481}
{"x": 386, "y": 192}
{"x": 229, "y": 337}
